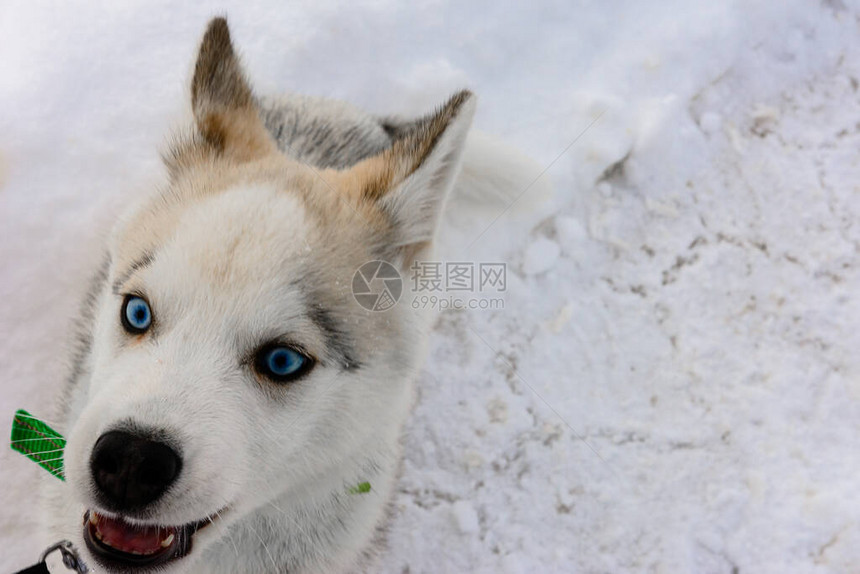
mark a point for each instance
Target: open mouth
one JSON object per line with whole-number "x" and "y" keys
{"x": 120, "y": 544}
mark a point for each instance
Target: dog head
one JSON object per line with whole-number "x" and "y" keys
{"x": 229, "y": 362}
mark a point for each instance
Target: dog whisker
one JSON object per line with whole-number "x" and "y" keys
{"x": 265, "y": 547}
{"x": 228, "y": 533}
{"x": 292, "y": 520}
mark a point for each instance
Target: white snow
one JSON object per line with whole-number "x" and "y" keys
{"x": 678, "y": 392}
{"x": 711, "y": 122}
{"x": 540, "y": 256}
{"x": 465, "y": 517}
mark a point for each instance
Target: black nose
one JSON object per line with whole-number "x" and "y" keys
{"x": 131, "y": 471}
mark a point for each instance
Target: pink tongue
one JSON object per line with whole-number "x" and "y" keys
{"x": 126, "y": 537}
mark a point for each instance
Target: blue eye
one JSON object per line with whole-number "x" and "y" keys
{"x": 282, "y": 364}
{"x": 136, "y": 315}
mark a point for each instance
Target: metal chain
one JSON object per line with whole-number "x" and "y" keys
{"x": 71, "y": 558}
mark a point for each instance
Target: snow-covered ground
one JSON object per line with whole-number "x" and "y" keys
{"x": 674, "y": 383}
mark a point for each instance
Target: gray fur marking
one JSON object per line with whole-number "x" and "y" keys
{"x": 145, "y": 261}
{"x": 83, "y": 337}
{"x": 323, "y": 133}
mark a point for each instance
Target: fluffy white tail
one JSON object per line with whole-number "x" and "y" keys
{"x": 496, "y": 174}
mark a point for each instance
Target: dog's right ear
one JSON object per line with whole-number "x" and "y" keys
{"x": 226, "y": 117}
{"x": 409, "y": 182}
{"x": 223, "y": 104}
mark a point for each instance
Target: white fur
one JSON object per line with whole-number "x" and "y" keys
{"x": 230, "y": 270}
{"x": 256, "y": 456}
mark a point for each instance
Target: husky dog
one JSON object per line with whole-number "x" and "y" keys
{"x": 229, "y": 395}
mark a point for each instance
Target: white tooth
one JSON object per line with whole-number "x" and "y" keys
{"x": 167, "y": 541}
{"x": 98, "y": 534}
{"x": 94, "y": 518}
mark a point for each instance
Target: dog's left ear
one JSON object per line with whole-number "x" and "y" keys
{"x": 410, "y": 181}
{"x": 225, "y": 112}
